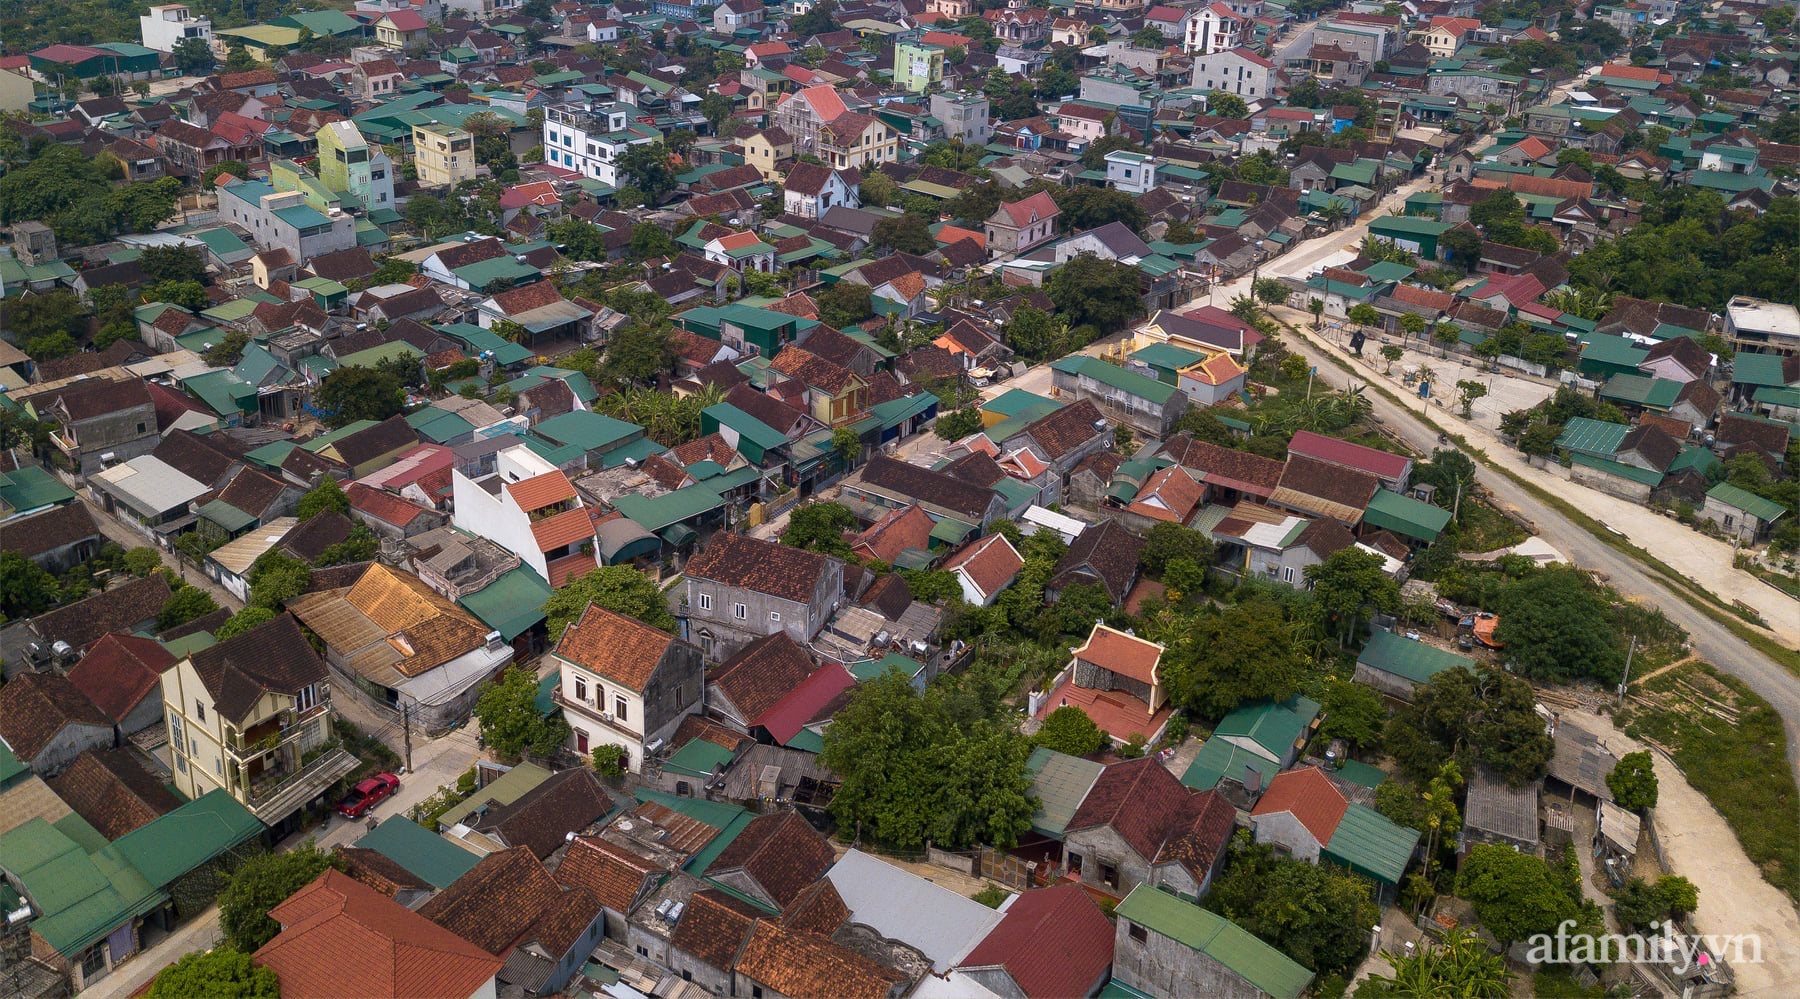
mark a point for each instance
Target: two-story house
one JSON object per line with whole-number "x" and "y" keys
{"x": 1017, "y": 226}
{"x": 854, "y": 141}
{"x": 835, "y": 394}
{"x": 1213, "y": 29}
{"x": 810, "y": 190}
{"x": 739, "y": 588}
{"x": 99, "y": 422}
{"x": 283, "y": 219}
{"x": 247, "y": 715}
{"x": 623, "y": 683}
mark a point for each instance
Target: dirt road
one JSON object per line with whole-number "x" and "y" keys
{"x": 1734, "y": 898}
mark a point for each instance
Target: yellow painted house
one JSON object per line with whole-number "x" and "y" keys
{"x": 768, "y": 150}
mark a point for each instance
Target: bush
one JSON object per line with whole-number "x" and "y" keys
{"x": 609, "y": 760}
{"x": 141, "y": 561}
{"x": 221, "y": 972}
{"x": 1069, "y": 730}
{"x": 992, "y": 896}
{"x": 956, "y": 425}
{"x": 261, "y": 884}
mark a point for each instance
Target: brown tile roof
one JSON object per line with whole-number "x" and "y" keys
{"x": 1140, "y": 800}
{"x": 1105, "y": 553}
{"x": 714, "y": 927}
{"x": 113, "y": 792}
{"x": 119, "y": 671}
{"x": 1117, "y": 652}
{"x": 924, "y": 485}
{"x": 336, "y": 923}
{"x": 897, "y": 530}
{"x": 762, "y": 673}
{"x": 495, "y": 904}
{"x": 386, "y": 437}
{"x": 804, "y": 964}
{"x": 888, "y": 596}
{"x": 426, "y": 629}
{"x": 309, "y": 539}
{"x": 619, "y": 648}
{"x": 86, "y": 399}
{"x": 814, "y": 371}
{"x": 1066, "y": 429}
{"x": 45, "y": 532}
{"x": 378, "y": 872}
{"x": 1739, "y": 430}
{"x": 1305, "y": 481}
{"x": 1225, "y": 466}
{"x": 780, "y": 853}
{"x": 818, "y": 909}
{"x": 273, "y": 657}
{"x": 765, "y": 567}
{"x": 542, "y": 817}
{"x": 614, "y": 875}
{"x": 34, "y": 707}
{"x": 1424, "y": 298}
{"x": 121, "y": 608}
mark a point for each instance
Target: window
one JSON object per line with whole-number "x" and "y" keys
{"x": 199, "y": 710}
{"x": 756, "y": 992}
{"x": 1287, "y": 574}
{"x": 581, "y": 690}
{"x": 706, "y": 601}
{"x": 740, "y": 612}
{"x": 1138, "y": 933}
{"x": 307, "y": 697}
{"x": 141, "y": 428}
{"x": 621, "y": 707}
{"x": 775, "y": 617}
{"x": 1109, "y": 874}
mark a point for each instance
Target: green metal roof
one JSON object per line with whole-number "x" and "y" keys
{"x": 80, "y": 897}
{"x": 226, "y": 516}
{"x": 10, "y": 766}
{"x": 1765, "y": 510}
{"x": 503, "y": 270}
{"x": 174, "y": 844}
{"x": 1218, "y": 758}
{"x": 758, "y": 432}
{"x": 1167, "y": 355}
{"x": 505, "y": 790}
{"x": 653, "y": 513}
{"x": 1218, "y": 938}
{"x": 1757, "y": 369}
{"x": 1406, "y": 516}
{"x": 1361, "y": 774}
{"x": 1641, "y": 390}
{"x": 510, "y": 604}
{"x": 1371, "y": 844}
{"x": 1059, "y": 782}
{"x": 1595, "y": 437}
{"x": 587, "y": 430}
{"x": 1606, "y": 348}
{"x": 1275, "y": 727}
{"x": 700, "y": 758}
{"x": 637, "y": 450}
{"x": 1408, "y": 225}
{"x": 1014, "y": 402}
{"x": 1114, "y": 376}
{"x": 425, "y": 854}
{"x": 1406, "y": 657}
{"x": 30, "y": 487}
{"x": 439, "y": 426}
{"x": 1693, "y": 456}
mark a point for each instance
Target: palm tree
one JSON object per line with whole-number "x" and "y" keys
{"x": 1462, "y": 968}
{"x": 1316, "y": 306}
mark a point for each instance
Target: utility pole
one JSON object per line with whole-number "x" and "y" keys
{"x": 406, "y": 733}
{"x": 1627, "y": 678}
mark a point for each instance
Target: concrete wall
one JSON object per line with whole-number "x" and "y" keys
{"x": 1102, "y": 845}
{"x": 69, "y": 743}
{"x": 1283, "y": 830}
{"x": 1164, "y": 967}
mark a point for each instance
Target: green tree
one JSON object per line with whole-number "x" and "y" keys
{"x": 1316, "y": 306}
{"x": 1557, "y": 627}
{"x": 819, "y": 526}
{"x": 1226, "y": 105}
{"x": 358, "y": 393}
{"x": 958, "y": 423}
{"x": 228, "y": 351}
{"x": 1104, "y": 294}
{"x": 243, "y": 621}
{"x": 1272, "y": 291}
{"x": 637, "y": 354}
{"x": 1318, "y": 914}
{"x": 184, "y": 605}
{"x": 193, "y": 57}
{"x": 618, "y": 588}
{"x": 1480, "y": 717}
{"x": 326, "y": 496}
{"x": 262, "y": 883}
{"x": 716, "y": 108}
{"x": 1515, "y": 894}
{"x": 26, "y": 588}
{"x": 1035, "y": 335}
{"x": 220, "y": 973}
{"x": 1069, "y": 730}
{"x": 1633, "y": 781}
{"x": 276, "y": 578}
{"x": 1353, "y": 712}
{"x": 649, "y": 168}
{"x": 1094, "y": 156}
{"x": 1085, "y": 207}
{"x": 1364, "y": 315}
{"x": 1462, "y": 966}
{"x": 1468, "y": 390}
{"x": 1228, "y": 657}
{"x": 1348, "y": 582}
{"x": 176, "y": 263}
{"x": 610, "y": 760}
{"x": 649, "y": 240}
{"x": 845, "y": 303}
{"x": 1643, "y": 905}
{"x": 140, "y": 562}
{"x": 905, "y": 233}
{"x": 1391, "y": 353}
{"x": 510, "y": 722}
{"x": 1167, "y": 541}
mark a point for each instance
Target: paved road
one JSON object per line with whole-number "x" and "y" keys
{"x": 117, "y": 531}
{"x": 1714, "y": 642}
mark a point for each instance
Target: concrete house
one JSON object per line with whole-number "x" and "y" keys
{"x": 1017, "y": 226}
{"x": 1305, "y": 815}
{"x": 1145, "y": 403}
{"x": 529, "y": 507}
{"x": 122, "y": 675}
{"x": 246, "y": 714}
{"x": 99, "y": 422}
{"x": 1166, "y": 946}
{"x": 1139, "y": 826}
{"x": 47, "y": 721}
{"x": 984, "y": 568}
{"x": 1113, "y": 679}
{"x": 1741, "y": 513}
{"x": 810, "y": 190}
{"x": 626, "y": 684}
{"x": 739, "y": 588}
{"x": 283, "y": 219}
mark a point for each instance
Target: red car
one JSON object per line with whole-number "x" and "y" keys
{"x": 367, "y": 793}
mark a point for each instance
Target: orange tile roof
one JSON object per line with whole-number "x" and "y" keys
{"x": 1216, "y": 370}
{"x": 1310, "y": 797}
{"x": 561, "y": 529}
{"x": 806, "y": 964}
{"x": 991, "y": 562}
{"x": 540, "y": 491}
{"x": 337, "y": 926}
{"x": 1118, "y": 714}
{"x": 738, "y": 240}
{"x": 614, "y": 874}
{"x": 618, "y": 648}
{"x": 953, "y": 234}
{"x": 1126, "y": 655}
{"x": 426, "y": 628}
{"x": 1175, "y": 489}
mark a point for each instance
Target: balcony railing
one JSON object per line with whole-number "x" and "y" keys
{"x": 272, "y": 800}
{"x": 245, "y": 750}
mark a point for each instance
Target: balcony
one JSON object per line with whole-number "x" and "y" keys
{"x": 593, "y": 712}
{"x": 275, "y": 795}
{"x": 273, "y": 733}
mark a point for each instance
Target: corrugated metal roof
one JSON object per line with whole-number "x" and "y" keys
{"x": 1369, "y": 843}
{"x": 1409, "y": 658}
{"x": 238, "y": 555}
{"x": 1059, "y": 782}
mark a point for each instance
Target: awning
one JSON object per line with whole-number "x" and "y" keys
{"x": 677, "y": 534}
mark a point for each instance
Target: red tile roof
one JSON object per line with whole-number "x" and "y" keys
{"x": 780, "y": 852}
{"x": 1126, "y": 655}
{"x": 1028, "y": 210}
{"x": 619, "y": 648}
{"x": 1381, "y": 464}
{"x": 383, "y": 506}
{"x": 119, "y": 670}
{"x": 1174, "y": 489}
{"x": 337, "y": 925}
{"x": 897, "y": 530}
{"x": 561, "y": 529}
{"x": 613, "y": 873}
{"x": 1054, "y": 942}
{"x": 991, "y": 563}
{"x": 805, "y": 702}
{"x": 1310, "y": 797}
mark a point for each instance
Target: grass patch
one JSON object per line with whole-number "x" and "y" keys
{"x": 1482, "y": 528}
{"x": 1730, "y": 617}
{"x": 1557, "y": 983}
{"x": 1730, "y": 744}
